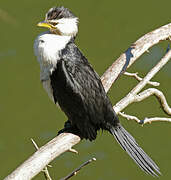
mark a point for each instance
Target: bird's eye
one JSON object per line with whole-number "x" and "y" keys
{"x": 54, "y": 23}
{"x": 42, "y": 41}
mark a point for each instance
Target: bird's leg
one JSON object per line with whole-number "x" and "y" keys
{"x": 69, "y": 128}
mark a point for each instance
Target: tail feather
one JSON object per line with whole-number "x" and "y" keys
{"x": 133, "y": 154}
{"x": 129, "y": 144}
{"x": 147, "y": 158}
{"x": 138, "y": 156}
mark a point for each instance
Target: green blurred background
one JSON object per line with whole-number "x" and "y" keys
{"x": 107, "y": 28}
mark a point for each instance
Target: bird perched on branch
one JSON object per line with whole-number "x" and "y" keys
{"x": 71, "y": 82}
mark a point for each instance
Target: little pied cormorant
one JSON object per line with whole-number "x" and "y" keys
{"x": 71, "y": 82}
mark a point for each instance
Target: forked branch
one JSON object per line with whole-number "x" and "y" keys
{"x": 158, "y": 94}
{"x": 138, "y": 78}
{"x": 134, "y": 52}
{"x": 146, "y": 120}
{"x": 133, "y": 94}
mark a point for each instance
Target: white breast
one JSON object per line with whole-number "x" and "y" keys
{"x": 47, "y": 47}
{"x": 48, "y": 88}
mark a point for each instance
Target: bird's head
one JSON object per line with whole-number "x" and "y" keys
{"x": 60, "y": 21}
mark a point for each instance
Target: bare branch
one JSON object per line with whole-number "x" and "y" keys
{"x": 135, "y": 75}
{"x": 133, "y": 53}
{"x": 65, "y": 141}
{"x": 132, "y": 95}
{"x": 129, "y": 117}
{"x": 73, "y": 151}
{"x": 44, "y": 156}
{"x": 45, "y": 170}
{"x": 34, "y": 143}
{"x": 158, "y": 94}
{"x": 150, "y": 120}
{"x": 46, "y": 173}
{"x": 73, "y": 173}
{"x": 146, "y": 120}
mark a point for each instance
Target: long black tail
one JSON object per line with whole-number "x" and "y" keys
{"x": 129, "y": 144}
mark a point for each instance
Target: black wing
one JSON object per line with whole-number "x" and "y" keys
{"x": 79, "y": 91}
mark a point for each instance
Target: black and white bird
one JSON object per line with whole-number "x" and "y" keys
{"x": 71, "y": 82}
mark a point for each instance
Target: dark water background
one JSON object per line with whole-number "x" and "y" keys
{"x": 107, "y": 28}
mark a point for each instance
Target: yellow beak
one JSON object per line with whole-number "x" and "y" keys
{"x": 46, "y": 25}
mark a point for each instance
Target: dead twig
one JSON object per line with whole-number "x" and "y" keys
{"x": 138, "y": 78}
{"x": 73, "y": 150}
{"x": 45, "y": 170}
{"x": 73, "y": 173}
{"x": 158, "y": 94}
{"x": 144, "y": 121}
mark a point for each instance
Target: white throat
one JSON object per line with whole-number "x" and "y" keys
{"x": 47, "y": 47}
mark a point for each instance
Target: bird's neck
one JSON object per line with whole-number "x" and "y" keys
{"x": 48, "y": 47}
